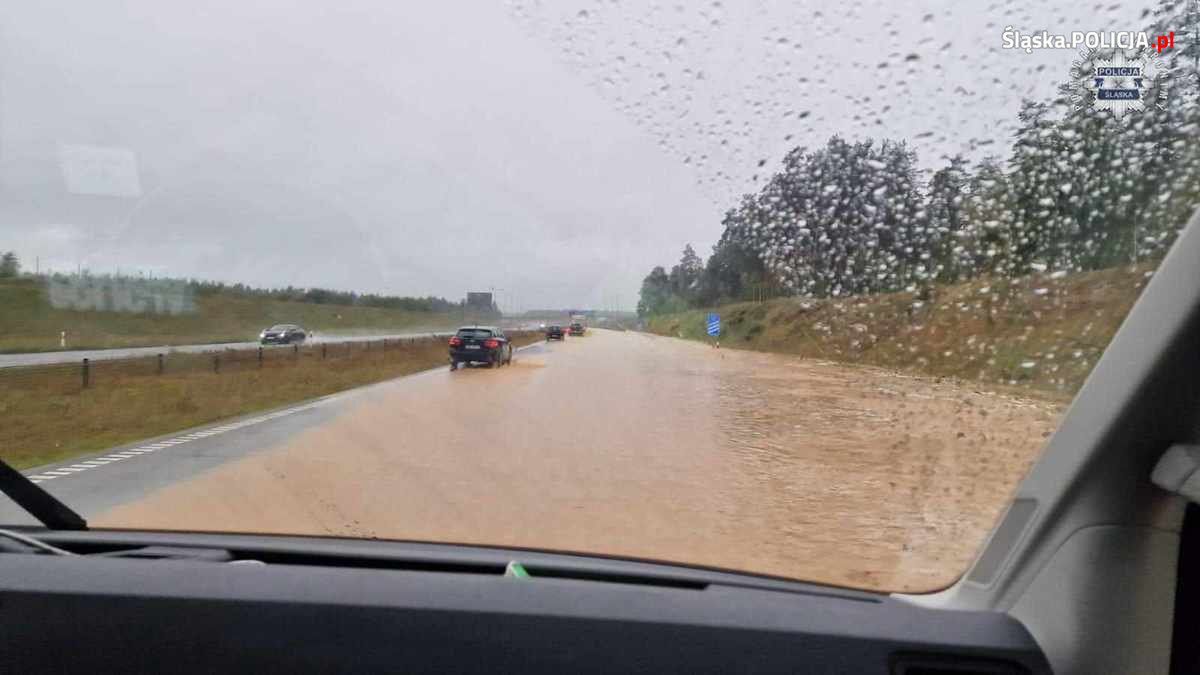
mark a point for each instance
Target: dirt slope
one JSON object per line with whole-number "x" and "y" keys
{"x": 1038, "y": 331}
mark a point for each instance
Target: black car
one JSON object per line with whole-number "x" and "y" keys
{"x": 480, "y": 344}
{"x": 577, "y": 328}
{"x": 282, "y": 334}
{"x": 555, "y": 333}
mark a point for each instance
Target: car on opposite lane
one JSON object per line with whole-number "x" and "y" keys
{"x": 283, "y": 334}
{"x": 480, "y": 344}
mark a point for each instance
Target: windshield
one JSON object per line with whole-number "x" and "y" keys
{"x": 842, "y": 265}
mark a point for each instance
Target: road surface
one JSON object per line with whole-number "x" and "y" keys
{"x": 619, "y": 443}
{"x": 75, "y": 355}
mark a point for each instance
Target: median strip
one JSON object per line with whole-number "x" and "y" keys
{"x": 54, "y": 417}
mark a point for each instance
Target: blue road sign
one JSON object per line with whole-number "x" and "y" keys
{"x": 714, "y": 324}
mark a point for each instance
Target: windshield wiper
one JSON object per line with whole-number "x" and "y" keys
{"x": 39, "y": 503}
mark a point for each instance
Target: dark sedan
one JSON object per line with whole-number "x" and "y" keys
{"x": 480, "y": 344}
{"x": 555, "y": 333}
{"x": 282, "y": 334}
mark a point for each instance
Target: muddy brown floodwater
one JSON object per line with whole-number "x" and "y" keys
{"x": 628, "y": 444}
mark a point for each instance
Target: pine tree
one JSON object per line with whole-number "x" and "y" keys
{"x": 989, "y": 217}
{"x": 945, "y": 214}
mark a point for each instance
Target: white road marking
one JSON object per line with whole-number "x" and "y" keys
{"x": 105, "y": 460}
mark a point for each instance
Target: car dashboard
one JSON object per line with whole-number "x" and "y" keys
{"x": 185, "y": 602}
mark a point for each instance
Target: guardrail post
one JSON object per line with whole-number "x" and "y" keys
{"x": 260, "y": 357}
{"x": 216, "y": 363}
{"x": 161, "y": 364}
{"x": 323, "y": 345}
{"x": 86, "y": 375}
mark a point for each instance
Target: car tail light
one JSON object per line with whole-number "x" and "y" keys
{"x": 491, "y": 344}
{"x": 455, "y": 341}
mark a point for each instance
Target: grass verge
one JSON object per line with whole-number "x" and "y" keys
{"x": 28, "y": 322}
{"x": 48, "y": 417}
{"x": 1036, "y": 332}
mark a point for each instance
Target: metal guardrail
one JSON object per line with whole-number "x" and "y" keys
{"x": 87, "y": 373}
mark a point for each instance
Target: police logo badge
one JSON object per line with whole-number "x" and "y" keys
{"x": 1120, "y": 81}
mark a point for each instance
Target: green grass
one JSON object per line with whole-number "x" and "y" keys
{"x": 29, "y": 323}
{"x": 49, "y": 418}
{"x": 1035, "y": 332}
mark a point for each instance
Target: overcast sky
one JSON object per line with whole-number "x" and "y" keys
{"x": 556, "y": 150}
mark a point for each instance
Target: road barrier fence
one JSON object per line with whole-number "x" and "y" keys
{"x": 66, "y": 377}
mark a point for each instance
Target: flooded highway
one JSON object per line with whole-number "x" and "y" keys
{"x": 628, "y": 444}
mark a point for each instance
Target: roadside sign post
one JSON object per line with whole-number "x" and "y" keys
{"x": 714, "y": 328}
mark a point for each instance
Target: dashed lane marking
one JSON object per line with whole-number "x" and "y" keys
{"x": 105, "y": 460}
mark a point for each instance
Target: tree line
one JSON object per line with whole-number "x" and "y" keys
{"x": 325, "y": 296}
{"x": 10, "y": 267}
{"x": 1080, "y": 189}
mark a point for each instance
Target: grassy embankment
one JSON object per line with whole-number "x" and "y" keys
{"x": 28, "y": 322}
{"x": 49, "y": 417}
{"x": 1034, "y": 331}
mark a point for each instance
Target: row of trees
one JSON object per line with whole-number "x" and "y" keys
{"x": 10, "y": 267}
{"x": 1080, "y": 189}
{"x": 325, "y": 296}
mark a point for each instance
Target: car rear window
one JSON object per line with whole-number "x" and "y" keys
{"x": 474, "y": 333}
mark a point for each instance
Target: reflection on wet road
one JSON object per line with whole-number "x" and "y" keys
{"x": 628, "y": 444}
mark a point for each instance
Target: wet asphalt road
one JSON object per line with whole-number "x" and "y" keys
{"x": 72, "y": 356}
